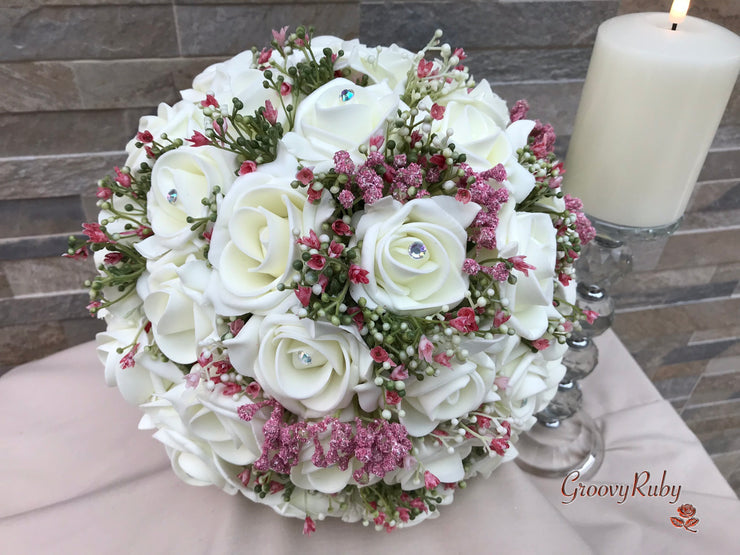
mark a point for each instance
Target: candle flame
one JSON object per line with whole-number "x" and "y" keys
{"x": 678, "y": 11}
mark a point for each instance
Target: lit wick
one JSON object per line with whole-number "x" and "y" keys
{"x": 678, "y": 12}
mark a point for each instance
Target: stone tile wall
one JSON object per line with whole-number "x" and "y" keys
{"x": 76, "y": 75}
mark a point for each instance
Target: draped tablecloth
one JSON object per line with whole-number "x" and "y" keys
{"x": 77, "y": 476}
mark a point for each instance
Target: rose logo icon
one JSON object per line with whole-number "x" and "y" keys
{"x": 687, "y": 511}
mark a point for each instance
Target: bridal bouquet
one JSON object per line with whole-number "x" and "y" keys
{"x": 337, "y": 279}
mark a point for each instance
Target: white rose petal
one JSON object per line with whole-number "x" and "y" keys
{"x": 486, "y": 465}
{"x": 253, "y": 243}
{"x": 195, "y": 463}
{"x": 180, "y": 180}
{"x": 325, "y": 123}
{"x": 135, "y": 384}
{"x": 404, "y": 280}
{"x": 555, "y": 372}
{"x": 212, "y": 417}
{"x": 159, "y": 413}
{"x": 182, "y": 320}
{"x": 180, "y": 120}
{"x": 235, "y": 77}
{"x": 480, "y": 121}
{"x": 310, "y": 367}
{"x": 553, "y": 204}
{"x": 430, "y": 456}
{"x": 302, "y": 503}
{"x": 387, "y": 63}
{"x": 123, "y": 313}
{"x": 532, "y": 381}
{"x": 531, "y": 235}
{"x": 454, "y": 392}
{"x": 194, "y": 460}
{"x": 147, "y": 376}
{"x": 368, "y": 396}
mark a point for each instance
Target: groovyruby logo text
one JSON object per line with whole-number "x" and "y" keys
{"x": 642, "y": 484}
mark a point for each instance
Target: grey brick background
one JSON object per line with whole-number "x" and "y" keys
{"x": 76, "y": 75}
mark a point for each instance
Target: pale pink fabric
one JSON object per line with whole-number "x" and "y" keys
{"x": 78, "y": 477}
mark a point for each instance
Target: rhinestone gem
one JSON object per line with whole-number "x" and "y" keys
{"x": 304, "y": 357}
{"x": 172, "y": 196}
{"x": 346, "y": 95}
{"x": 417, "y": 250}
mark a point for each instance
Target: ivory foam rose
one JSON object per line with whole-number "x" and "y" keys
{"x": 173, "y": 292}
{"x": 482, "y": 130}
{"x": 391, "y": 64}
{"x": 450, "y": 392}
{"x": 311, "y": 368}
{"x": 530, "y": 381}
{"x": 254, "y": 240}
{"x": 445, "y": 464}
{"x": 195, "y": 463}
{"x": 235, "y": 77}
{"x": 530, "y": 301}
{"x": 339, "y": 116}
{"x": 211, "y": 417}
{"x": 182, "y": 119}
{"x": 146, "y": 377}
{"x": 181, "y": 179}
{"x": 413, "y": 254}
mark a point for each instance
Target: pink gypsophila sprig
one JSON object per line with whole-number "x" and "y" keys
{"x": 380, "y": 445}
{"x": 543, "y": 136}
{"x": 585, "y": 230}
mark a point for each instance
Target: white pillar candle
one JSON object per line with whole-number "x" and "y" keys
{"x": 651, "y": 104}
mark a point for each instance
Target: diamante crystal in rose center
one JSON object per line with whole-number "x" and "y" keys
{"x": 172, "y": 196}
{"x": 347, "y": 94}
{"x": 417, "y": 250}
{"x": 304, "y": 357}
